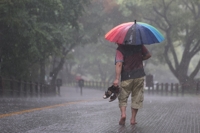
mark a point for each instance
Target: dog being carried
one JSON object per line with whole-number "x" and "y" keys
{"x": 112, "y": 92}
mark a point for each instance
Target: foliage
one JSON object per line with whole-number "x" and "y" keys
{"x": 96, "y": 59}
{"x": 181, "y": 45}
{"x": 38, "y": 36}
{"x": 31, "y": 31}
{"x": 179, "y": 21}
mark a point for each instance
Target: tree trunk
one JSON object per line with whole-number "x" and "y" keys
{"x": 56, "y": 70}
{"x": 42, "y": 71}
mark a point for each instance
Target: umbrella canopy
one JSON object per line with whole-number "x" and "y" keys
{"x": 132, "y": 33}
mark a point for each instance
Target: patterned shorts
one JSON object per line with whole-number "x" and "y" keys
{"x": 135, "y": 87}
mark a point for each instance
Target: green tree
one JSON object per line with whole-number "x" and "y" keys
{"x": 96, "y": 59}
{"x": 179, "y": 20}
{"x": 13, "y": 26}
{"x": 33, "y": 31}
{"x": 69, "y": 33}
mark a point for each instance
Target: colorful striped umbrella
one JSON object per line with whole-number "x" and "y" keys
{"x": 133, "y": 33}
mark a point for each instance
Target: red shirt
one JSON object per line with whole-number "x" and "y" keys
{"x": 132, "y": 58}
{"x": 120, "y": 58}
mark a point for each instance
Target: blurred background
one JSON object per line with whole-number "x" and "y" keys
{"x": 43, "y": 40}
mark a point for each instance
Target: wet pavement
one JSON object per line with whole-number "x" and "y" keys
{"x": 89, "y": 113}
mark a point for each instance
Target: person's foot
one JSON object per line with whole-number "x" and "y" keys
{"x": 122, "y": 121}
{"x": 133, "y": 122}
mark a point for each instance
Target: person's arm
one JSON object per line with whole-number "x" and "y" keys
{"x": 145, "y": 53}
{"x": 118, "y": 69}
{"x": 147, "y": 56}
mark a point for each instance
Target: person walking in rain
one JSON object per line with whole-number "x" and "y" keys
{"x": 131, "y": 38}
{"x": 129, "y": 67}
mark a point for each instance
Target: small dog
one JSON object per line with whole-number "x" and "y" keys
{"x": 112, "y": 92}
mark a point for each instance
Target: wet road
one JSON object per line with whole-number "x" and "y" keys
{"x": 89, "y": 113}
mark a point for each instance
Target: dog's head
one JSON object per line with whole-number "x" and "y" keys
{"x": 112, "y": 92}
{"x": 107, "y": 94}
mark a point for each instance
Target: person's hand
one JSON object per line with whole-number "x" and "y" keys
{"x": 116, "y": 82}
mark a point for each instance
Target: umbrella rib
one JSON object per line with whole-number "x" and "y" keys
{"x": 140, "y": 36}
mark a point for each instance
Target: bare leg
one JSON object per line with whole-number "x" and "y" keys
{"x": 123, "y": 115}
{"x": 133, "y": 118}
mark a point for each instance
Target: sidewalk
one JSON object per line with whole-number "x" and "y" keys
{"x": 68, "y": 94}
{"x": 160, "y": 114}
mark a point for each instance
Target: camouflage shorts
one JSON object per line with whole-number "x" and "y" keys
{"x": 135, "y": 87}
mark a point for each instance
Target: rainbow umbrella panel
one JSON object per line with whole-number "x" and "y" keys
{"x": 134, "y": 33}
